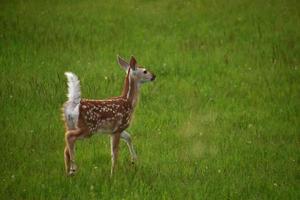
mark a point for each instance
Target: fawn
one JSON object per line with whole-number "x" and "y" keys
{"x": 85, "y": 117}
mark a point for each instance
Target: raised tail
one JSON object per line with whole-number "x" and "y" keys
{"x": 73, "y": 88}
{"x": 71, "y": 108}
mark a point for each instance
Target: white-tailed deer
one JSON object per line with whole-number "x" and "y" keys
{"x": 84, "y": 117}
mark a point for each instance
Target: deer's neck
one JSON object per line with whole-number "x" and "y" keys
{"x": 125, "y": 86}
{"x": 131, "y": 89}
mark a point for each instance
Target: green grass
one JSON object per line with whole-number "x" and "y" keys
{"x": 221, "y": 121}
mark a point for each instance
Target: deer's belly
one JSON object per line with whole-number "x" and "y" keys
{"x": 108, "y": 124}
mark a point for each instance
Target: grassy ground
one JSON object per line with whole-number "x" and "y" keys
{"x": 222, "y": 120}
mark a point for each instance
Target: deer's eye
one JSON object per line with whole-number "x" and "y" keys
{"x": 145, "y": 71}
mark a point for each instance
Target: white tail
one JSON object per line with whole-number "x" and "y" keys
{"x": 73, "y": 88}
{"x": 71, "y": 108}
{"x": 85, "y": 117}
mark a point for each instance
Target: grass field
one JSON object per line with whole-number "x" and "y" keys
{"x": 221, "y": 121}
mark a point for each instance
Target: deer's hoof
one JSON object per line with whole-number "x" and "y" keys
{"x": 133, "y": 160}
{"x": 72, "y": 170}
{"x": 71, "y": 173}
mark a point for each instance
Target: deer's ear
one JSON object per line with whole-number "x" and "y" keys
{"x": 132, "y": 63}
{"x": 122, "y": 63}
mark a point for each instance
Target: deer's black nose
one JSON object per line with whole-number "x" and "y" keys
{"x": 153, "y": 77}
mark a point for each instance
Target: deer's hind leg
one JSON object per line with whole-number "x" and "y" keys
{"x": 67, "y": 159}
{"x": 70, "y": 137}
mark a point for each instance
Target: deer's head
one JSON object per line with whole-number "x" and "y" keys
{"x": 136, "y": 71}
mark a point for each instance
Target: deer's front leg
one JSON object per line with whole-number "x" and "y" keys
{"x": 127, "y": 138}
{"x": 115, "y": 139}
